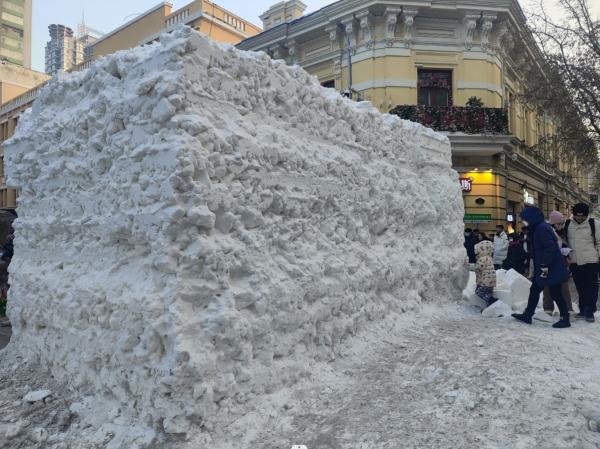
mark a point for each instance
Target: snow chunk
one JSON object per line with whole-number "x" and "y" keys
{"x": 35, "y": 396}
{"x": 198, "y": 225}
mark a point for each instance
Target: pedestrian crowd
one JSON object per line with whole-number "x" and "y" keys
{"x": 548, "y": 252}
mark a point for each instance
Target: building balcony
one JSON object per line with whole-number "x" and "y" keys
{"x": 457, "y": 119}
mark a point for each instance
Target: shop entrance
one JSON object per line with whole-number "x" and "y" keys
{"x": 511, "y": 216}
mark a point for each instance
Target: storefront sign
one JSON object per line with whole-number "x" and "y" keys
{"x": 528, "y": 198}
{"x": 510, "y": 218}
{"x": 466, "y": 184}
{"x": 478, "y": 218}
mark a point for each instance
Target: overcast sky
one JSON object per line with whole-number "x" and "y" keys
{"x": 107, "y": 15}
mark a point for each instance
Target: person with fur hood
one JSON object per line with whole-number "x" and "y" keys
{"x": 484, "y": 271}
{"x": 549, "y": 268}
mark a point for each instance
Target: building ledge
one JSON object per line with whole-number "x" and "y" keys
{"x": 478, "y": 144}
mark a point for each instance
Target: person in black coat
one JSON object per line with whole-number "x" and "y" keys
{"x": 470, "y": 242}
{"x": 517, "y": 256}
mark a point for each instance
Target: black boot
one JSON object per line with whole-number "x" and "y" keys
{"x": 564, "y": 322}
{"x": 522, "y": 317}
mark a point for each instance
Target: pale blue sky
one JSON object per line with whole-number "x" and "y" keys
{"x": 106, "y": 15}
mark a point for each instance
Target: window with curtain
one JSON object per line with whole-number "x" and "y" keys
{"x": 435, "y": 87}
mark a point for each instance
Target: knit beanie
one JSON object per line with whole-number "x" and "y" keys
{"x": 581, "y": 209}
{"x": 556, "y": 218}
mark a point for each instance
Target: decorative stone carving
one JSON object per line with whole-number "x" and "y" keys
{"x": 364, "y": 19}
{"x": 391, "y": 21}
{"x": 332, "y": 31}
{"x": 409, "y": 20}
{"x": 348, "y": 23}
{"x": 292, "y": 50}
{"x": 486, "y": 29}
{"x": 504, "y": 38}
{"x": 275, "y": 52}
{"x": 337, "y": 67}
{"x": 470, "y": 24}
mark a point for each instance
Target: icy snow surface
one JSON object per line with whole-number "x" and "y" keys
{"x": 199, "y": 226}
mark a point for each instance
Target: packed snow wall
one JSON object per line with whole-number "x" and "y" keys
{"x": 198, "y": 224}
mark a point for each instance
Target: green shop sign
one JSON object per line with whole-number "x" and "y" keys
{"x": 478, "y": 218}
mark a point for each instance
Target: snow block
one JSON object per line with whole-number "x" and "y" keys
{"x": 198, "y": 224}
{"x": 497, "y": 310}
{"x": 471, "y": 286}
{"x": 519, "y": 288}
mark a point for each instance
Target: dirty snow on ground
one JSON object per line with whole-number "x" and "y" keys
{"x": 199, "y": 227}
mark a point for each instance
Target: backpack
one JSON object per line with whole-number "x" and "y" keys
{"x": 592, "y": 223}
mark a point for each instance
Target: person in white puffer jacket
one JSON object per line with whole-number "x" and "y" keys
{"x": 584, "y": 259}
{"x": 500, "y": 247}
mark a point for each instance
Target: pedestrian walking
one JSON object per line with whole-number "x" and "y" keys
{"x": 500, "y": 247}
{"x": 548, "y": 267}
{"x": 557, "y": 221}
{"x": 580, "y": 232}
{"x": 516, "y": 256}
{"x": 485, "y": 274}
{"x": 470, "y": 242}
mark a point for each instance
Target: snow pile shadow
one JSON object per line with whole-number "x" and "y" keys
{"x": 197, "y": 224}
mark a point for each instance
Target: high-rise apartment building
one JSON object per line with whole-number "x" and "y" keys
{"x": 15, "y": 32}
{"x": 64, "y": 50}
{"x": 61, "y": 52}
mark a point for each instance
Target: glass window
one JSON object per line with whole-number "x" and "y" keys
{"x": 14, "y": 8}
{"x": 435, "y": 87}
{"x": 11, "y": 54}
{"x": 12, "y": 42}
{"x": 12, "y": 18}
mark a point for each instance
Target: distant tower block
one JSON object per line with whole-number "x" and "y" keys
{"x": 282, "y": 12}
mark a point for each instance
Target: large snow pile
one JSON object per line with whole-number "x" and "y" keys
{"x": 198, "y": 224}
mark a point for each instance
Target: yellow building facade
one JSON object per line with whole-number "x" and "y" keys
{"x": 425, "y": 60}
{"x": 207, "y": 17}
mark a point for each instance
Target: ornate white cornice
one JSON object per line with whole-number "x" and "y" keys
{"x": 366, "y": 26}
{"x": 292, "y": 51}
{"x": 332, "y": 31}
{"x": 275, "y": 51}
{"x": 348, "y": 23}
{"x": 408, "y": 15}
{"x": 391, "y": 21}
{"x": 470, "y": 25}
{"x": 487, "y": 24}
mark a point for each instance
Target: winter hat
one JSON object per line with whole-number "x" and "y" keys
{"x": 533, "y": 216}
{"x": 581, "y": 209}
{"x": 556, "y": 218}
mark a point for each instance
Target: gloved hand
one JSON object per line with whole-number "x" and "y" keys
{"x": 544, "y": 272}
